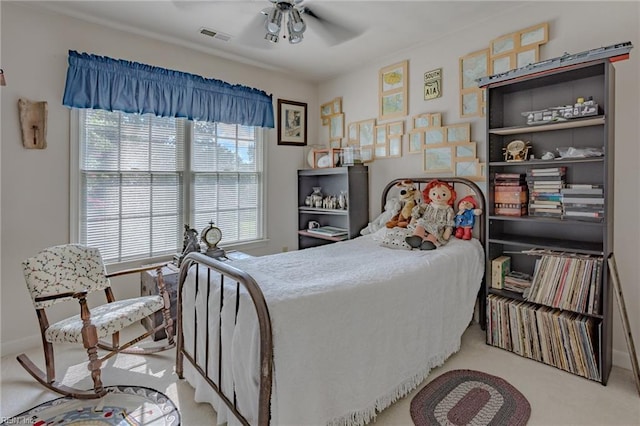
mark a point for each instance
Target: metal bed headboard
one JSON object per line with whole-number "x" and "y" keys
{"x": 469, "y": 188}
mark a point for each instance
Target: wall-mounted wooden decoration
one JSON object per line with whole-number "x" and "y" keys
{"x": 472, "y": 67}
{"x": 334, "y": 106}
{"x": 517, "y": 49}
{"x": 381, "y": 134}
{"x": 33, "y": 122}
{"x": 445, "y": 148}
{"x": 427, "y": 129}
{"x": 505, "y": 53}
{"x": 336, "y": 128}
{"x": 388, "y": 139}
{"x": 394, "y": 146}
{"x": 366, "y": 129}
{"x": 380, "y": 147}
{"x": 416, "y": 140}
{"x": 393, "y": 91}
{"x": 352, "y": 133}
{"x": 366, "y": 154}
{"x": 421, "y": 121}
{"x": 361, "y": 133}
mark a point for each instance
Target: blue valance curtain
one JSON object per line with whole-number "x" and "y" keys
{"x": 100, "y": 82}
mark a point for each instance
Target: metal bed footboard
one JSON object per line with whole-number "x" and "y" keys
{"x": 228, "y": 274}
{"x": 242, "y": 279}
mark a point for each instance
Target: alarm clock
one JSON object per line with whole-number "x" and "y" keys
{"x": 211, "y": 236}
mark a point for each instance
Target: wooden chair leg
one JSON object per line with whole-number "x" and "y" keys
{"x": 115, "y": 340}
{"x": 46, "y": 346}
{"x": 166, "y": 310}
{"x": 94, "y": 367}
{"x": 49, "y": 361}
{"x": 90, "y": 342}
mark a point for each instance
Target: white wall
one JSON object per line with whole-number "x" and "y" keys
{"x": 35, "y": 183}
{"x": 574, "y": 27}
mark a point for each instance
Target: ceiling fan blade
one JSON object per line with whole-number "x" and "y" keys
{"x": 331, "y": 27}
{"x": 187, "y": 4}
{"x": 253, "y": 34}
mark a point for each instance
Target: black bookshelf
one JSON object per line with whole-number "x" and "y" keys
{"x": 354, "y": 182}
{"x": 514, "y": 235}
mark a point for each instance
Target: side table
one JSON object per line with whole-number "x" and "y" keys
{"x": 149, "y": 286}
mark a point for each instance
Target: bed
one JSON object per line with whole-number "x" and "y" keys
{"x": 326, "y": 335}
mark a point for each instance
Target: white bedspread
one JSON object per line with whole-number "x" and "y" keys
{"x": 356, "y": 326}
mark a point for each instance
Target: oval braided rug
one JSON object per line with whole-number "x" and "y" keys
{"x": 468, "y": 397}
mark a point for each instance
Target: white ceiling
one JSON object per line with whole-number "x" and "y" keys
{"x": 383, "y": 28}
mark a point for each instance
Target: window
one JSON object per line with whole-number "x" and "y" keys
{"x": 141, "y": 178}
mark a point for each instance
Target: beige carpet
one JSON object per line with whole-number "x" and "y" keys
{"x": 556, "y": 397}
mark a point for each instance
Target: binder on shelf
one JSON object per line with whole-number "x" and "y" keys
{"x": 329, "y": 231}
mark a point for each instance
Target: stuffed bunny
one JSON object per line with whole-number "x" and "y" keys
{"x": 391, "y": 208}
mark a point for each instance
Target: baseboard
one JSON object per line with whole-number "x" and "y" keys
{"x": 17, "y": 346}
{"x": 621, "y": 359}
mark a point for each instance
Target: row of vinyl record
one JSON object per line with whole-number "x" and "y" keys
{"x": 571, "y": 283}
{"x": 563, "y": 339}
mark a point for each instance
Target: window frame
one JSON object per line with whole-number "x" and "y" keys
{"x": 75, "y": 193}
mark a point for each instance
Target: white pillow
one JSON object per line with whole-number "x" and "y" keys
{"x": 395, "y": 238}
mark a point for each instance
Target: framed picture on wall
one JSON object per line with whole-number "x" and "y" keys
{"x": 393, "y": 91}
{"x": 438, "y": 159}
{"x": 336, "y": 126}
{"x": 366, "y": 132}
{"x": 292, "y": 123}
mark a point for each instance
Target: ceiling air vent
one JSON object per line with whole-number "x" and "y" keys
{"x": 215, "y": 34}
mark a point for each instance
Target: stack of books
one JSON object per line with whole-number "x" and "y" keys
{"x": 510, "y": 194}
{"x": 583, "y": 202}
{"x": 545, "y": 198}
{"x": 518, "y": 282}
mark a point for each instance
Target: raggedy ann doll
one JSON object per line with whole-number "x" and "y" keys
{"x": 434, "y": 219}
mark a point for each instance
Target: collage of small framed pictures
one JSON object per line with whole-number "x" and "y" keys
{"x": 361, "y": 134}
{"x": 445, "y": 148}
{"x": 330, "y": 108}
{"x": 331, "y": 115}
{"x": 504, "y": 53}
{"x": 388, "y": 140}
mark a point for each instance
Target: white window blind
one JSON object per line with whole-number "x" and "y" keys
{"x": 227, "y": 179}
{"x": 134, "y": 181}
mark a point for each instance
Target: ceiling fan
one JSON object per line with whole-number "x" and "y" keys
{"x": 294, "y": 16}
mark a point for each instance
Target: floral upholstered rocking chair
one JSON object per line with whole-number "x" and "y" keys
{"x": 72, "y": 271}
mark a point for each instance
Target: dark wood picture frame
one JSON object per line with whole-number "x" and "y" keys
{"x": 292, "y": 123}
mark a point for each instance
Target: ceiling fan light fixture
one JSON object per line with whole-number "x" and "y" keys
{"x": 271, "y": 37}
{"x": 294, "y": 36}
{"x": 296, "y": 24}
{"x": 274, "y": 21}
